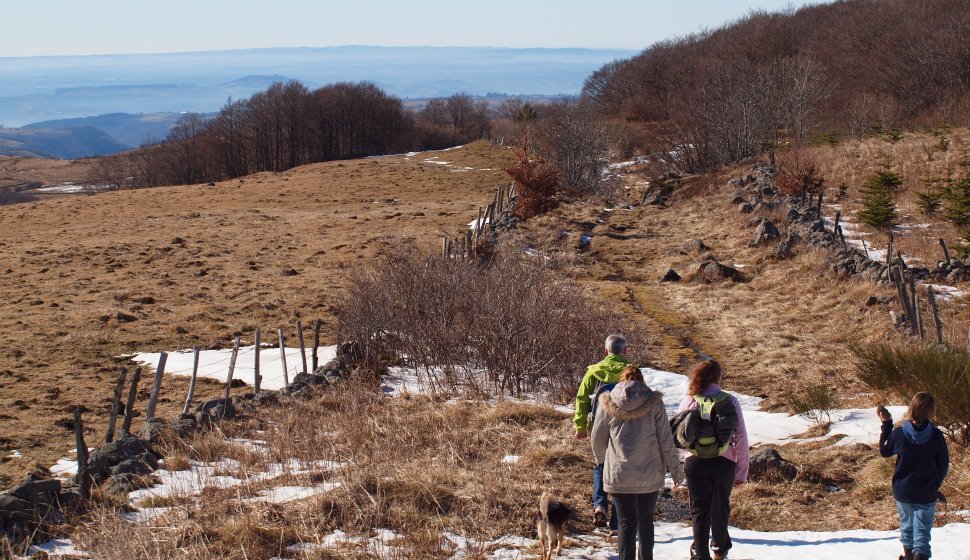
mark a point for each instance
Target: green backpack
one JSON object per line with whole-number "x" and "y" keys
{"x": 706, "y": 431}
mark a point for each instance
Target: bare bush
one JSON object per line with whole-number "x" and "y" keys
{"x": 509, "y": 327}
{"x": 573, "y": 138}
{"x": 536, "y": 182}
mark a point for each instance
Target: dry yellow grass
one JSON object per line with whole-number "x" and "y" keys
{"x": 197, "y": 265}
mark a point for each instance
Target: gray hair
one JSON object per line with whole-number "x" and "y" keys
{"x": 616, "y": 344}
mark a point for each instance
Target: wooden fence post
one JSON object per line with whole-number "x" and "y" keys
{"x": 115, "y": 406}
{"x": 896, "y": 274}
{"x": 195, "y": 373}
{"x": 444, "y": 247}
{"x": 232, "y": 368}
{"x": 316, "y": 344}
{"x": 471, "y": 247}
{"x": 159, "y": 372}
{"x": 931, "y": 296}
{"x": 299, "y": 334}
{"x": 83, "y": 477}
{"x": 917, "y": 316}
{"x": 889, "y": 252}
{"x": 286, "y": 375}
{"x": 864, "y": 248}
{"x": 838, "y": 216}
{"x": 257, "y": 378}
{"x": 130, "y": 406}
{"x": 946, "y": 253}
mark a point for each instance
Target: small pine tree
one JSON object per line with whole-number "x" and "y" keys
{"x": 957, "y": 210}
{"x": 929, "y": 200}
{"x": 878, "y": 206}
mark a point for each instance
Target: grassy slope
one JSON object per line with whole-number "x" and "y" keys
{"x": 785, "y": 329}
{"x": 68, "y": 265}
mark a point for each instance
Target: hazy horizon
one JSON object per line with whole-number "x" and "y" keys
{"x": 115, "y": 27}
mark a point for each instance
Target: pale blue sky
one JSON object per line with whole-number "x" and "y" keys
{"x": 73, "y": 27}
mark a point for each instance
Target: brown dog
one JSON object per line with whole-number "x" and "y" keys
{"x": 551, "y": 524}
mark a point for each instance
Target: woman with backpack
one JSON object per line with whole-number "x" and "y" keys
{"x": 631, "y": 438}
{"x": 717, "y": 462}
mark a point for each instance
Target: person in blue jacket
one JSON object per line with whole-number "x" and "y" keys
{"x": 922, "y": 461}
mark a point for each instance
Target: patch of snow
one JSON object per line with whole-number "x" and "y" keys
{"x": 64, "y": 468}
{"x": 284, "y": 494}
{"x": 402, "y": 380}
{"x": 945, "y": 292}
{"x": 856, "y": 425}
{"x": 15, "y": 454}
{"x": 671, "y": 541}
{"x": 511, "y": 459}
{"x": 57, "y": 547}
{"x": 214, "y": 364}
{"x": 146, "y": 515}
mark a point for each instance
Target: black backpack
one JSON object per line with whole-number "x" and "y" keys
{"x": 706, "y": 431}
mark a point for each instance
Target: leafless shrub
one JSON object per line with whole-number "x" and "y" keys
{"x": 508, "y": 327}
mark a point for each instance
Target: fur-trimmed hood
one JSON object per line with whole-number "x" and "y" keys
{"x": 631, "y": 400}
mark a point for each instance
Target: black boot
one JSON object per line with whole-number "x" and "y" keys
{"x": 907, "y": 554}
{"x": 919, "y": 556}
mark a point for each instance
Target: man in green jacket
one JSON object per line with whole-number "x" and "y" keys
{"x": 599, "y": 376}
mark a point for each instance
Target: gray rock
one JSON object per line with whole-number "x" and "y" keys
{"x": 153, "y": 430}
{"x": 670, "y": 276}
{"x": 694, "y": 246}
{"x": 769, "y": 465}
{"x": 764, "y": 233}
{"x": 266, "y": 398}
{"x": 783, "y": 250}
{"x": 37, "y": 491}
{"x": 745, "y": 208}
{"x": 138, "y": 467}
{"x": 185, "y": 424}
{"x": 879, "y": 300}
{"x": 793, "y": 215}
{"x": 215, "y": 409}
{"x": 13, "y": 508}
{"x": 713, "y": 272}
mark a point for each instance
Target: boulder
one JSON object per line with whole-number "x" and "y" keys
{"x": 214, "y": 409}
{"x": 13, "y": 508}
{"x": 266, "y": 398}
{"x": 879, "y": 300}
{"x": 745, "y": 208}
{"x": 695, "y": 245}
{"x": 153, "y": 429}
{"x": 768, "y": 465}
{"x": 37, "y": 491}
{"x": 783, "y": 250}
{"x": 764, "y": 233}
{"x": 185, "y": 424}
{"x": 713, "y": 272}
{"x": 670, "y": 276}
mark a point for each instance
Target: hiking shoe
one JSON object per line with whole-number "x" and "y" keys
{"x": 718, "y": 554}
{"x": 599, "y": 517}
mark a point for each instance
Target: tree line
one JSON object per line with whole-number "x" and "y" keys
{"x": 288, "y": 125}
{"x": 852, "y": 67}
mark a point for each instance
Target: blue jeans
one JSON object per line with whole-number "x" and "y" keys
{"x": 915, "y": 522}
{"x": 599, "y": 495}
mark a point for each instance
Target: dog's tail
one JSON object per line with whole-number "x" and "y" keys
{"x": 552, "y": 510}
{"x": 544, "y": 504}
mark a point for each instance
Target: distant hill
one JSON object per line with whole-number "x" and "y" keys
{"x": 50, "y": 88}
{"x": 61, "y": 143}
{"x": 127, "y": 129}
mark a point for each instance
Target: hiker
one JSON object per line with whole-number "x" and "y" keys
{"x": 599, "y": 377}
{"x": 631, "y": 438}
{"x": 717, "y": 461}
{"x": 922, "y": 461}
